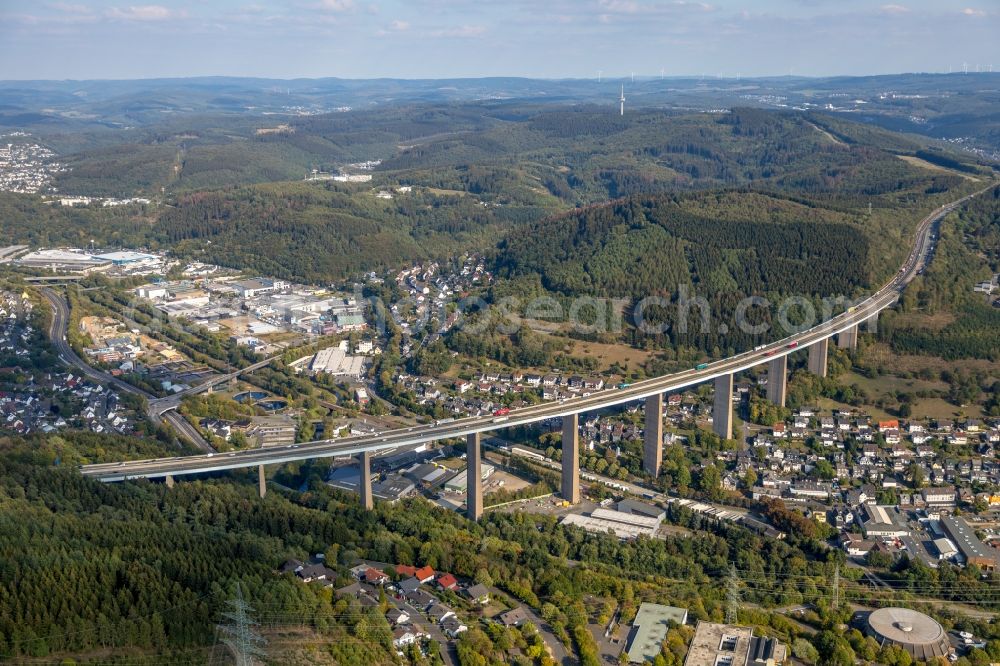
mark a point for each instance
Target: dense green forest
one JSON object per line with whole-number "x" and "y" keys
{"x": 721, "y": 242}
{"x": 940, "y": 314}
{"x": 579, "y": 154}
{"x": 316, "y": 233}
{"x": 209, "y": 151}
{"x": 481, "y": 173}
{"x": 712, "y": 248}
{"x": 146, "y": 570}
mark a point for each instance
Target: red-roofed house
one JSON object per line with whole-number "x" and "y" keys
{"x": 447, "y": 582}
{"x": 375, "y": 577}
{"x": 405, "y": 570}
{"x": 424, "y": 574}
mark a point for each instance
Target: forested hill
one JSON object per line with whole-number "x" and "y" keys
{"x": 438, "y": 192}
{"x": 315, "y": 234}
{"x": 744, "y": 242}
{"x": 581, "y": 154}
{"x": 720, "y": 246}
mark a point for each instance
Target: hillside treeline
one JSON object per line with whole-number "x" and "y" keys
{"x": 941, "y": 315}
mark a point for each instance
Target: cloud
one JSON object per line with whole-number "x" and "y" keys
{"x": 394, "y": 27}
{"x": 460, "y": 31}
{"x": 895, "y": 9}
{"x": 337, "y": 5}
{"x": 142, "y": 13}
{"x": 969, "y": 11}
{"x": 68, "y": 8}
{"x": 637, "y": 7}
{"x": 619, "y": 6}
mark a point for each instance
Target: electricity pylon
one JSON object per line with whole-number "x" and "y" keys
{"x": 240, "y": 634}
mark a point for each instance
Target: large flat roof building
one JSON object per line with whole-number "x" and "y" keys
{"x": 649, "y": 628}
{"x": 882, "y": 521}
{"x": 272, "y": 430}
{"x": 732, "y": 645}
{"x": 125, "y": 257}
{"x": 460, "y": 482}
{"x": 972, "y": 549}
{"x": 393, "y": 488}
{"x": 623, "y": 525}
{"x": 63, "y": 260}
{"x": 641, "y": 509}
{"x": 335, "y": 361}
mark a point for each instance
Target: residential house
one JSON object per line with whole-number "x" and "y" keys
{"x": 447, "y": 582}
{"x": 515, "y": 617}
{"x": 477, "y": 593}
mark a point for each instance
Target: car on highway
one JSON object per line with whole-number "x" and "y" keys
{"x": 701, "y": 366}
{"x": 793, "y": 345}
{"x": 624, "y": 385}
{"x": 503, "y": 411}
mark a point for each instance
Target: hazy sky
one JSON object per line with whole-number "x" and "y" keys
{"x": 442, "y": 38}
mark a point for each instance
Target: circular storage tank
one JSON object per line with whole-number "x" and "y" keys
{"x": 918, "y": 634}
{"x": 249, "y": 396}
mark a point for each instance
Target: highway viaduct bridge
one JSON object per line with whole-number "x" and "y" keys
{"x": 774, "y": 355}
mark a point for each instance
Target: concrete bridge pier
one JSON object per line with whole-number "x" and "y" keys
{"x": 722, "y": 412}
{"x": 817, "y": 357}
{"x": 848, "y": 339}
{"x": 652, "y": 451}
{"x": 571, "y": 458}
{"x": 872, "y": 323}
{"x": 261, "y": 482}
{"x": 474, "y": 470}
{"x": 365, "y": 480}
{"x": 777, "y": 379}
{"x": 169, "y": 479}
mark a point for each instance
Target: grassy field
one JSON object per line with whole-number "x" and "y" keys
{"x": 890, "y": 384}
{"x": 934, "y": 322}
{"x": 924, "y": 164}
{"x": 885, "y": 387}
{"x": 882, "y": 355}
{"x": 608, "y": 355}
{"x": 829, "y": 405}
{"x": 937, "y": 408}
